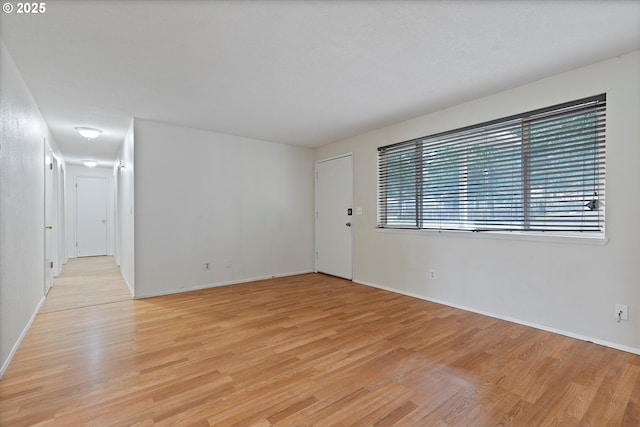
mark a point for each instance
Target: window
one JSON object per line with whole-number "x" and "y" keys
{"x": 538, "y": 171}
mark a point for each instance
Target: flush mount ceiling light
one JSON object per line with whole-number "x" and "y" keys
{"x": 90, "y": 163}
{"x": 88, "y": 133}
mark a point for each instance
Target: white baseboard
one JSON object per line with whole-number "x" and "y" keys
{"x": 6, "y": 363}
{"x": 128, "y": 285}
{"x": 218, "y": 284}
{"x": 509, "y": 319}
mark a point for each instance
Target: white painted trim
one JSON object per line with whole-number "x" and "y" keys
{"x": 549, "y": 237}
{"x": 339, "y": 156}
{"x": 509, "y": 319}
{"x": 5, "y": 364}
{"x": 128, "y": 285}
{"x": 216, "y": 285}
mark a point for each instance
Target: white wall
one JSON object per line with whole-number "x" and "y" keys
{"x": 72, "y": 173}
{"x": 569, "y": 287}
{"x": 22, "y": 164}
{"x": 124, "y": 249}
{"x": 243, "y": 205}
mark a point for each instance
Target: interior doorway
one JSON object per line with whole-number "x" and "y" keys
{"x": 50, "y": 223}
{"x": 334, "y": 209}
{"x": 91, "y": 216}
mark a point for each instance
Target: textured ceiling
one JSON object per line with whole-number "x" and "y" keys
{"x": 298, "y": 72}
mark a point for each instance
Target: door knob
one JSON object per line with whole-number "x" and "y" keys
{"x": 348, "y": 224}
{"x": 49, "y": 227}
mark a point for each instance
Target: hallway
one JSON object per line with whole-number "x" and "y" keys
{"x": 86, "y": 282}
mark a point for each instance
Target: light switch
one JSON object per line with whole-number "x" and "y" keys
{"x": 358, "y": 211}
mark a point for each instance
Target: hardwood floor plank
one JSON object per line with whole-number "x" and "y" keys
{"x": 610, "y": 404}
{"x": 308, "y": 350}
{"x": 86, "y": 282}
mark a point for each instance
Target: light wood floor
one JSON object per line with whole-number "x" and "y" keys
{"x": 307, "y": 350}
{"x": 85, "y": 282}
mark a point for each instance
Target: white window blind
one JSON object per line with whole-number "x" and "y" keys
{"x": 538, "y": 171}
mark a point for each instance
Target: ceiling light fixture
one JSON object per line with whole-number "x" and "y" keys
{"x": 90, "y": 163}
{"x": 88, "y": 133}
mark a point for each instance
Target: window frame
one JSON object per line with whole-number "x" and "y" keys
{"x": 594, "y": 104}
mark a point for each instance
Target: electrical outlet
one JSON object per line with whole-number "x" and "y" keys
{"x": 206, "y": 266}
{"x": 432, "y": 274}
{"x": 622, "y": 312}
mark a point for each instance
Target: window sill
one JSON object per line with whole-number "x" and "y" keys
{"x": 548, "y": 237}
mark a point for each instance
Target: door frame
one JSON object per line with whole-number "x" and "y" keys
{"x": 61, "y": 194}
{"x": 50, "y": 216}
{"x": 315, "y": 215}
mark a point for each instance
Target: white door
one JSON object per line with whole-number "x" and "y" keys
{"x": 334, "y": 200}
{"x": 49, "y": 217}
{"x": 91, "y": 216}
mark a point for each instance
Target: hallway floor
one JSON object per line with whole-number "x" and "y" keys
{"x": 86, "y": 282}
